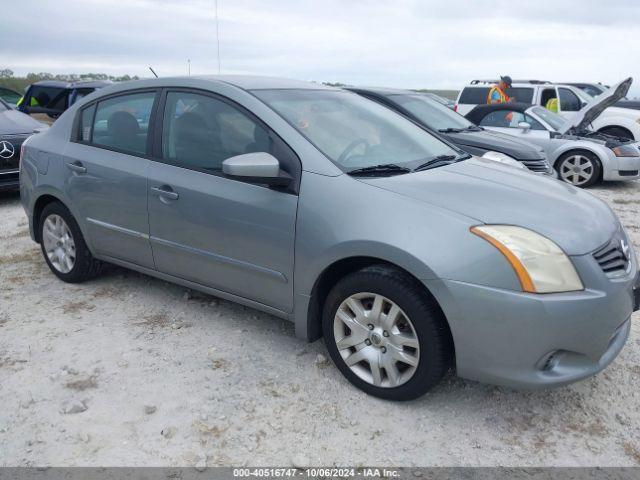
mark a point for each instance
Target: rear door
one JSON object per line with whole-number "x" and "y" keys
{"x": 106, "y": 175}
{"x": 233, "y": 236}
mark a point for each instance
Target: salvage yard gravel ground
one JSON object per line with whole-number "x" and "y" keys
{"x": 130, "y": 370}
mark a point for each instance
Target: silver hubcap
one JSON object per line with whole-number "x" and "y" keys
{"x": 376, "y": 340}
{"x": 58, "y": 243}
{"x": 577, "y": 169}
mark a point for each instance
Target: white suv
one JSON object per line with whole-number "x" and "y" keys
{"x": 616, "y": 121}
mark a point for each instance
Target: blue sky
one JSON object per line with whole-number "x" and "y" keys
{"x": 398, "y": 43}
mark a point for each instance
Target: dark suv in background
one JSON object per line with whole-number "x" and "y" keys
{"x": 49, "y": 98}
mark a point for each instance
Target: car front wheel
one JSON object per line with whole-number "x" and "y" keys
{"x": 63, "y": 245}
{"x": 386, "y": 334}
{"x": 581, "y": 169}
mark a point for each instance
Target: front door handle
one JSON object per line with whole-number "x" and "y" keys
{"x": 77, "y": 167}
{"x": 165, "y": 191}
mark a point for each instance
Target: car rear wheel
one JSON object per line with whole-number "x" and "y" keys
{"x": 386, "y": 334}
{"x": 581, "y": 169}
{"x": 63, "y": 246}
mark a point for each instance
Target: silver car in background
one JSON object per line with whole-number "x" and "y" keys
{"x": 581, "y": 156}
{"x": 322, "y": 207}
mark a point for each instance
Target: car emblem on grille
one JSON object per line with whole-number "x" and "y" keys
{"x": 6, "y": 149}
{"x": 624, "y": 246}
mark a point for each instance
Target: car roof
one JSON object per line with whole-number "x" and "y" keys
{"x": 243, "y": 82}
{"x": 257, "y": 82}
{"x": 80, "y": 84}
{"x": 480, "y": 111}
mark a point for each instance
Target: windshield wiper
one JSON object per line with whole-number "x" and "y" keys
{"x": 450, "y": 130}
{"x": 378, "y": 170}
{"x": 440, "y": 159}
{"x": 474, "y": 128}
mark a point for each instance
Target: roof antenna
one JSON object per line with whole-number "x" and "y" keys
{"x": 154, "y": 73}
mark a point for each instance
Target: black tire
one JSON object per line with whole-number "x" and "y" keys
{"x": 596, "y": 167}
{"x": 85, "y": 266}
{"x": 618, "y": 132}
{"x": 429, "y": 323}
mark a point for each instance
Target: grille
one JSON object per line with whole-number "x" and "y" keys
{"x": 13, "y": 142}
{"x": 540, "y": 166}
{"x": 614, "y": 257}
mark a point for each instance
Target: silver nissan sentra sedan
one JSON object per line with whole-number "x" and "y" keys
{"x": 317, "y": 205}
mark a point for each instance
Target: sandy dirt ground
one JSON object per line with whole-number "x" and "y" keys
{"x": 130, "y": 370}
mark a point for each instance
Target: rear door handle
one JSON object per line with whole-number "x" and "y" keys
{"x": 165, "y": 191}
{"x": 77, "y": 167}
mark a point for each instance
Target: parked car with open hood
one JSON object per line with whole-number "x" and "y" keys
{"x": 458, "y": 130}
{"x": 49, "y": 98}
{"x": 581, "y": 156}
{"x": 15, "y": 128}
{"x": 322, "y": 207}
{"x": 569, "y": 100}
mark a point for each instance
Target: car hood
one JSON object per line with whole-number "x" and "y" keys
{"x": 499, "y": 142}
{"x": 592, "y": 110}
{"x": 13, "y": 122}
{"x": 492, "y": 193}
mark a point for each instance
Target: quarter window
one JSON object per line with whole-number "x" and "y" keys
{"x": 122, "y": 122}
{"x": 201, "y": 132}
{"x": 86, "y": 121}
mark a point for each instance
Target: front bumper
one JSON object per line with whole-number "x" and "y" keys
{"x": 622, "y": 168}
{"x": 526, "y": 340}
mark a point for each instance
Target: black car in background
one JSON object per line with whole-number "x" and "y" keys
{"x": 459, "y": 131}
{"x": 15, "y": 127}
{"x": 52, "y": 97}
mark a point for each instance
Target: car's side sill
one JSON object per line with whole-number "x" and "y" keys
{"x": 196, "y": 286}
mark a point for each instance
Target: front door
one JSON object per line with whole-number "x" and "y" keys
{"x": 510, "y": 122}
{"x": 229, "y": 235}
{"x": 106, "y": 176}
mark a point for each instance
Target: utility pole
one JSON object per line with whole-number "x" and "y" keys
{"x": 217, "y": 33}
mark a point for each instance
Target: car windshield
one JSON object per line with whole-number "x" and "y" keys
{"x": 552, "y": 119}
{"x": 355, "y": 132}
{"x": 433, "y": 114}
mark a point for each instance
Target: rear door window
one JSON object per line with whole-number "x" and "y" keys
{"x": 122, "y": 123}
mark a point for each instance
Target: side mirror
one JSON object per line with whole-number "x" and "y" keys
{"x": 259, "y": 167}
{"x": 524, "y": 126}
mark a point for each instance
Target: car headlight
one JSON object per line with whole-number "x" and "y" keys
{"x": 626, "y": 151}
{"x": 502, "y": 158}
{"x": 540, "y": 265}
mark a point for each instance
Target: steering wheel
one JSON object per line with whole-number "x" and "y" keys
{"x": 345, "y": 154}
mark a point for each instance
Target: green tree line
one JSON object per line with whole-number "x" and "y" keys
{"x": 19, "y": 84}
